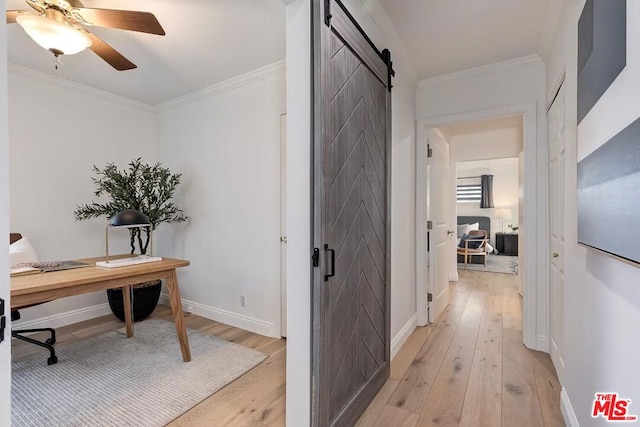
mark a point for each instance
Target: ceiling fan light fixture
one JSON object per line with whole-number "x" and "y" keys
{"x": 54, "y": 36}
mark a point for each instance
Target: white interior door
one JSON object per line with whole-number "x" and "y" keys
{"x": 438, "y": 213}
{"x": 556, "y": 124}
{"x": 283, "y": 224}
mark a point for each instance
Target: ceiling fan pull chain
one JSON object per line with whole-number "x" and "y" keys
{"x": 58, "y": 61}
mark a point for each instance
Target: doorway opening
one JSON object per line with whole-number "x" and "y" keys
{"x": 486, "y": 194}
{"x": 521, "y": 119}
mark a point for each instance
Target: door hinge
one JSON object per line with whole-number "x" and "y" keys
{"x": 429, "y": 297}
{"x": 429, "y": 225}
{"x": 327, "y": 13}
{"x": 316, "y": 257}
{"x": 429, "y": 152}
{"x": 3, "y": 320}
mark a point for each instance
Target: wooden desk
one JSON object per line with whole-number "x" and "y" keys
{"x": 43, "y": 287}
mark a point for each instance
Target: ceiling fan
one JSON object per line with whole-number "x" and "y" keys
{"x": 59, "y": 26}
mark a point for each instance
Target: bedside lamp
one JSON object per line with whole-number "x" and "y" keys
{"x": 128, "y": 219}
{"x": 502, "y": 214}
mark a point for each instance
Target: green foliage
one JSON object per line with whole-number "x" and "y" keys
{"x": 143, "y": 187}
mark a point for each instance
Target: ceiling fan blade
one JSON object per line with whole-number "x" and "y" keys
{"x": 143, "y": 22}
{"x": 12, "y": 15}
{"x": 109, "y": 54}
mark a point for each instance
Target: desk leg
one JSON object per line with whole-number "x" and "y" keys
{"x": 126, "y": 297}
{"x": 178, "y": 316}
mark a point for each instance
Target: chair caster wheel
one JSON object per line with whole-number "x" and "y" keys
{"x": 51, "y": 341}
{"x": 52, "y": 360}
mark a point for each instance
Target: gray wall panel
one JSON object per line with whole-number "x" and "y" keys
{"x": 609, "y": 196}
{"x": 602, "y": 50}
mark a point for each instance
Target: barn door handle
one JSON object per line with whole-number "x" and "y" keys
{"x": 333, "y": 263}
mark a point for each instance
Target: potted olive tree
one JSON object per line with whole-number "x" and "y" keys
{"x": 145, "y": 188}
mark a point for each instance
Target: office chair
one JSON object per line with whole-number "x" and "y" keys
{"x": 18, "y": 333}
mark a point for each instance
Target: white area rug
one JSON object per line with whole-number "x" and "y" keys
{"x": 495, "y": 264}
{"x": 110, "y": 380}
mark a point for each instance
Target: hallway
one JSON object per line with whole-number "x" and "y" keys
{"x": 470, "y": 368}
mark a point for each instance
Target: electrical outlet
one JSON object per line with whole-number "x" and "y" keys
{"x": 243, "y": 301}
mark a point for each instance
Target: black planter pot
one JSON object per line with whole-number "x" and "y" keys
{"x": 145, "y": 300}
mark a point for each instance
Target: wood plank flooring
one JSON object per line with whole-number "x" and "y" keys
{"x": 468, "y": 369}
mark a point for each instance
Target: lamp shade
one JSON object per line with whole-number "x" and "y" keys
{"x": 503, "y": 213}
{"x": 129, "y": 218}
{"x": 57, "y": 37}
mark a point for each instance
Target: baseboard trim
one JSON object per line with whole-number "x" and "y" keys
{"x": 569, "y": 416}
{"x": 401, "y": 337}
{"x": 231, "y": 318}
{"x": 542, "y": 343}
{"x": 66, "y": 318}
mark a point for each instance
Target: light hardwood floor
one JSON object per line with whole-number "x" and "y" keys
{"x": 468, "y": 369}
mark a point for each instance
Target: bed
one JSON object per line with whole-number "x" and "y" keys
{"x": 484, "y": 223}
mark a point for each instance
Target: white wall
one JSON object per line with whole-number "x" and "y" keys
{"x": 601, "y": 303}
{"x": 231, "y": 133}
{"x": 58, "y": 131}
{"x": 505, "y": 190}
{"x": 492, "y": 86}
{"x": 225, "y": 140}
{"x": 298, "y": 213}
{"x": 501, "y": 90}
{"x": 5, "y": 346}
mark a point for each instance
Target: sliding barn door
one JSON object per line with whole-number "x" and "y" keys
{"x": 351, "y": 218}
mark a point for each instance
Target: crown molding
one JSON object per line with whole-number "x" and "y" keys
{"x": 227, "y": 85}
{"x": 497, "y": 66}
{"x": 14, "y": 68}
{"x": 246, "y": 79}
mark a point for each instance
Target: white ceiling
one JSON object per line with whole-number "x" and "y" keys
{"x": 444, "y": 36}
{"x": 207, "y": 41}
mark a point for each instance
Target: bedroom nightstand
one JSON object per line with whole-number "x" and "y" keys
{"x": 507, "y": 243}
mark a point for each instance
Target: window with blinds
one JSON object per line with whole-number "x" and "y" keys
{"x": 469, "y": 193}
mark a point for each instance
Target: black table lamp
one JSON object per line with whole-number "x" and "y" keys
{"x": 128, "y": 219}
